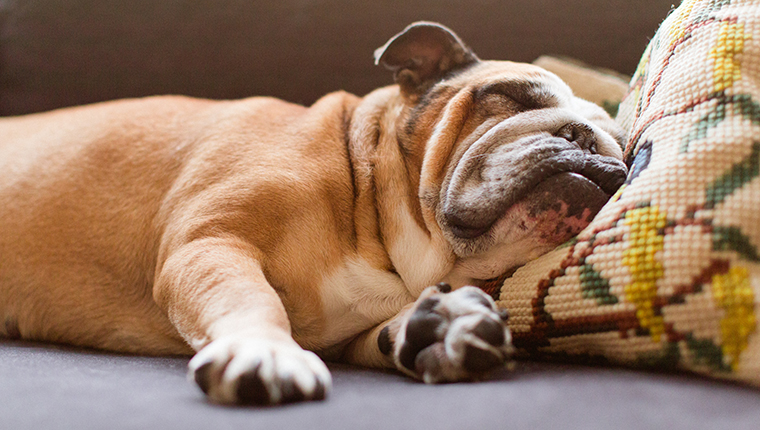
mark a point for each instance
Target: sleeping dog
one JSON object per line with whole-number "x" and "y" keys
{"x": 264, "y": 236}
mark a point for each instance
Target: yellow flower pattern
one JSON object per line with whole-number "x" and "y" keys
{"x": 733, "y": 293}
{"x": 727, "y": 68}
{"x": 644, "y": 242}
{"x": 681, "y": 20}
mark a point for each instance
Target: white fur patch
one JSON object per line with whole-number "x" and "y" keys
{"x": 419, "y": 260}
{"x": 357, "y": 297}
{"x": 276, "y": 363}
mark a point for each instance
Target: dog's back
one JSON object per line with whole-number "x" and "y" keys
{"x": 71, "y": 180}
{"x": 81, "y": 196}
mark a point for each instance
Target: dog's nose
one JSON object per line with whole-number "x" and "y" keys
{"x": 579, "y": 133}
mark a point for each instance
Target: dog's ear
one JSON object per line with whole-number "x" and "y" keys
{"x": 422, "y": 54}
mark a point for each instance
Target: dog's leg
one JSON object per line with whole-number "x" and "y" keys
{"x": 215, "y": 293}
{"x": 444, "y": 336}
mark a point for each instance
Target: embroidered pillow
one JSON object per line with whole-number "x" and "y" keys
{"x": 668, "y": 274}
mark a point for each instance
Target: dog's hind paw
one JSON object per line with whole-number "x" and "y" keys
{"x": 453, "y": 336}
{"x": 259, "y": 372}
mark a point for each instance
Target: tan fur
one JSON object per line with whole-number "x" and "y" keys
{"x": 127, "y": 185}
{"x": 102, "y": 204}
{"x": 163, "y": 225}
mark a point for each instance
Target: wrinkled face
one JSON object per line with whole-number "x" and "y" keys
{"x": 515, "y": 164}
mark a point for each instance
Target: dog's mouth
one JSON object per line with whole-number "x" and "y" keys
{"x": 561, "y": 206}
{"x": 554, "y": 199}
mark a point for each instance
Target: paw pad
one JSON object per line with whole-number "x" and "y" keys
{"x": 452, "y": 336}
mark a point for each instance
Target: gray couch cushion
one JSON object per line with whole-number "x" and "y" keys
{"x": 44, "y": 387}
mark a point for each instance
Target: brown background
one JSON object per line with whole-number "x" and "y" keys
{"x": 65, "y": 52}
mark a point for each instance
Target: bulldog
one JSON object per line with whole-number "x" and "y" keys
{"x": 264, "y": 236}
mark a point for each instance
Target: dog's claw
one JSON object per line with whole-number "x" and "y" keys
{"x": 478, "y": 360}
{"x": 251, "y": 389}
{"x": 444, "y": 287}
{"x": 202, "y": 377}
{"x": 491, "y": 331}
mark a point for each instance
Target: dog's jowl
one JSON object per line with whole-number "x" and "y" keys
{"x": 264, "y": 236}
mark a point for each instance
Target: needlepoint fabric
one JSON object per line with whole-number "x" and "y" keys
{"x": 667, "y": 275}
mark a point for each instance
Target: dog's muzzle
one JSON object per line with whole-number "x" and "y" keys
{"x": 555, "y": 181}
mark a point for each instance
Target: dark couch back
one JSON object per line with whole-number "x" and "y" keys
{"x": 56, "y": 53}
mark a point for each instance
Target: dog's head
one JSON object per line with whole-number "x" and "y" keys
{"x": 510, "y": 163}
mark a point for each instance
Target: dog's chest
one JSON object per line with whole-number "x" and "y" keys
{"x": 356, "y": 297}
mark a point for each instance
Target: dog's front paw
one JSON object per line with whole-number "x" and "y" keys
{"x": 257, "y": 371}
{"x": 453, "y": 336}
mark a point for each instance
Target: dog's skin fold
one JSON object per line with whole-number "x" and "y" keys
{"x": 256, "y": 233}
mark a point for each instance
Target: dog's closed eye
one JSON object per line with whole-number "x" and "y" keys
{"x": 527, "y": 94}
